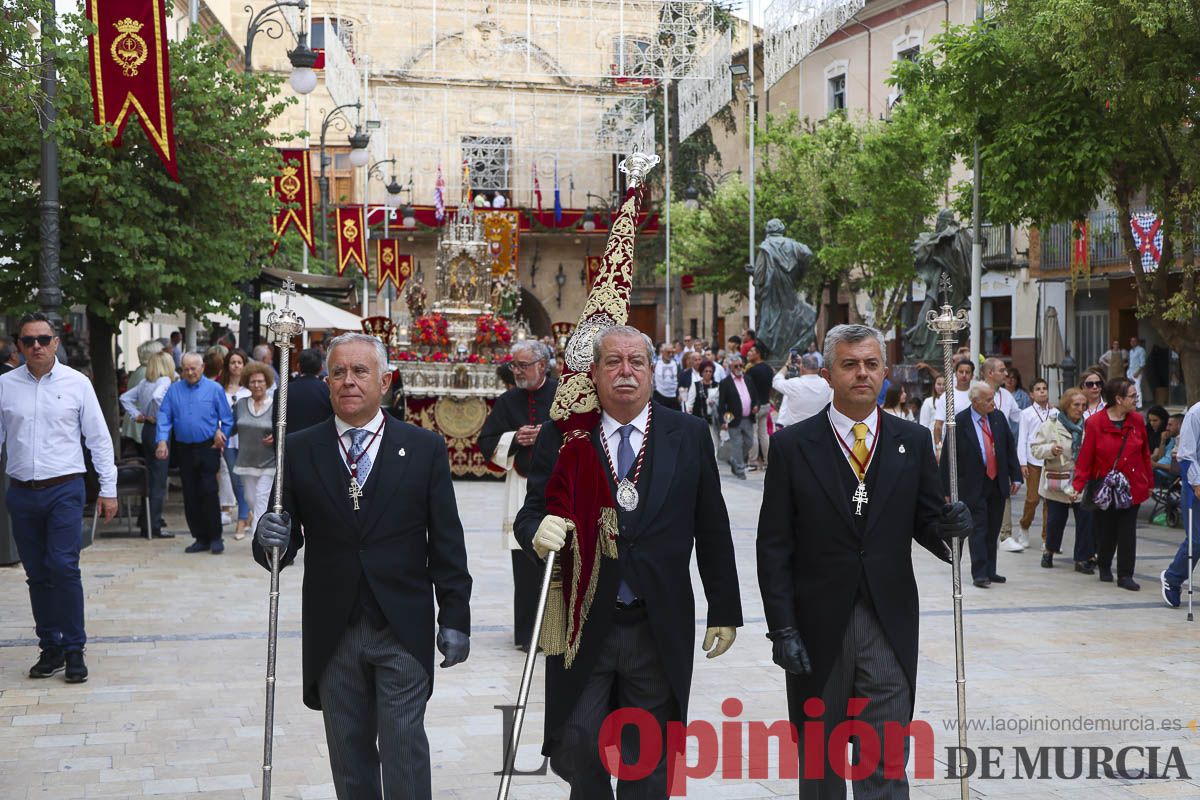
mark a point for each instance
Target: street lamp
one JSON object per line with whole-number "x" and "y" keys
{"x": 303, "y": 81}
{"x": 746, "y": 73}
{"x": 323, "y": 180}
{"x": 561, "y": 280}
{"x": 358, "y": 147}
{"x": 691, "y": 198}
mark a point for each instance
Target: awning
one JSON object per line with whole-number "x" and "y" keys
{"x": 317, "y": 314}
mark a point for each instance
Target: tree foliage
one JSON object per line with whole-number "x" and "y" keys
{"x": 857, "y": 192}
{"x": 133, "y": 240}
{"x": 1077, "y": 100}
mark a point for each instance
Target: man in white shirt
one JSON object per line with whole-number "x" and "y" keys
{"x": 1187, "y": 454}
{"x": 45, "y": 409}
{"x": 1032, "y": 418}
{"x": 1137, "y": 366}
{"x": 815, "y": 353}
{"x": 803, "y": 396}
{"x": 666, "y": 377}
{"x": 994, "y": 373}
{"x": 964, "y": 370}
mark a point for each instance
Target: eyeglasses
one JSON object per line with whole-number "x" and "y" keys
{"x": 43, "y": 340}
{"x": 521, "y": 366}
{"x": 1093, "y": 384}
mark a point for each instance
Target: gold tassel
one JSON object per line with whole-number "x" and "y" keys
{"x": 553, "y": 638}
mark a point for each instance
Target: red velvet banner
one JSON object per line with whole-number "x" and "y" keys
{"x": 465, "y": 458}
{"x": 293, "y": 186}
{"x": 351, "y": 238}
{"x": 391, "y": 264}
{"x": 130, "y": 72}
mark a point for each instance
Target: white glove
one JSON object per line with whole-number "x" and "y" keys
{"x": 551, "y": 534}
{"x": 722, "y": 637}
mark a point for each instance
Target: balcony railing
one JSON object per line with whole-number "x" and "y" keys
{"x": 997, "y": 245}
{"x": 1105, "y": 245}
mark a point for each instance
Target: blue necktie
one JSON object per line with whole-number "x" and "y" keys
{"x": 358, "y": 438}
{"x": 624, "y": 451}
{"x": 624, "y": 463}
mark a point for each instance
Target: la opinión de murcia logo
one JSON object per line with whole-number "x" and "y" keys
{"x": 742, "y": 749}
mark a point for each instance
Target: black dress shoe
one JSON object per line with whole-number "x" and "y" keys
{"x": 164, "y": 535}
{"x": 1085, "y": 567}
{"x": 196, "y": 547}
{"x": 1048, "y": 560}
{"x": 1106, "y": 576}
{"x": 983, "y": 584}
{"x": 997, "y": 579}
{"x": 1128, "y": 583}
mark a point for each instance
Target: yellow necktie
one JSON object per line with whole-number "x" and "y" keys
{"x": 860, "y": 449}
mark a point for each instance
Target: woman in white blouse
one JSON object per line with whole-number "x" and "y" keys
{"x": 141, "y": 405}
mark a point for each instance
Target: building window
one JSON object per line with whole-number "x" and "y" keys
{"x": 629, "y": 55}
{"x": 837, "y": 92}
{"x": 909, "y": 54}
{"x": 490, "y": 161}
{"x": 342, "y": 186}
{"x": 343, "y": 28}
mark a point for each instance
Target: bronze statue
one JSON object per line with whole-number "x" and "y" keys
{"x": 785, "y": 320}
{"x": 944, "y": 251}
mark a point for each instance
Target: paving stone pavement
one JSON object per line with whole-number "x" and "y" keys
{"x": 174, "y": 706}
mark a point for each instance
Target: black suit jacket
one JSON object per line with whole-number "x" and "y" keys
{"x": 406, "y": 540}
{"x": 729, "y": 400}
{"x": 812, "y": 558}
{"x": 308, "y": 402}
{"x": 972, "y": 471}
{"x": 682, "y": 506}
{"x": 510, "y": 412}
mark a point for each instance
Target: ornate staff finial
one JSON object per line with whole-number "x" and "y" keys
{"x": 947, "y": 322}
{"x": 284, "y": 323}
{"x": 637, "y": 166}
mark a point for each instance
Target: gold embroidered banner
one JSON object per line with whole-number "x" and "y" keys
{"x": 502, "y": 232}
{"x": 293, "y": 186}
{"x": 391, "y": 264}
{"x": 351, "y": 238}
{"x": 130, "y": 72}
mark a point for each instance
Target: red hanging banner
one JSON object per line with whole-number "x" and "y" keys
{"x": 293, "y": 186}
{"x": 130, "y": 71}
{"x": 351, "y": 237}
{"x": 391, "y": 265}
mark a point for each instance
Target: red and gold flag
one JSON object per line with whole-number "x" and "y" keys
{"x": 593, "y": 263}
{"x": 293, "y": 186}
{"x": 502, "y": 232}
{"x": 131, "y": 72}
{"x": 391, "y": 264}
{"x": 351, "y": 237}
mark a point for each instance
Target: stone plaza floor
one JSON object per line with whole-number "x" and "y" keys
{"x": 174, "y": 706}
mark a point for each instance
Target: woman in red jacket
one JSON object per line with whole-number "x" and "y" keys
{"x": 1115, "y": 439}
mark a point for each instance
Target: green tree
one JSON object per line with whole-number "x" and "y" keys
{"x": 133, "y": 240}
{"x": 1077, "y": 100}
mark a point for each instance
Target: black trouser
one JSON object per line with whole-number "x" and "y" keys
{"x": 1116, "y": 531}
{"x": 1056, "y": 525}
{"x": 527, "y": 586}
{"x": 198, "y": 465}
{"x": 987, "y": 513}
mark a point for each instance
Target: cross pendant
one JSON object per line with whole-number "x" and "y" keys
{"x": 859, "y": 498}
{"x": 355, "y": 491}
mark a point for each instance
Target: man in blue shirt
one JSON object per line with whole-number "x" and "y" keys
{"x": 196, "y": 413}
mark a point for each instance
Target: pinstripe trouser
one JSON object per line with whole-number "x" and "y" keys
{"x": 630, "y": 670}
{"x": 373, "y": 695}
{"x": 866, "y": 668}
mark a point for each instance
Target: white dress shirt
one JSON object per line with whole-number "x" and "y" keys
{"x": 803, "y": 397}
{"x": 961, "y": 401}
{"x": 144, "y": 398}
{"x": 344, "y": 428}
{"x": 843, "y": 426}
{"x": 611, "y": 430}
{"x": 42, "y": 421}
{"x": 1006, "y": 404}
{"x": 1188, "y": 448}
{"x": 1032, "y": 419}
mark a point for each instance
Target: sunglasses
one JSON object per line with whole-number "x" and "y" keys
{"x": 1093, "y": 384}
{"x": 43, "y": 340}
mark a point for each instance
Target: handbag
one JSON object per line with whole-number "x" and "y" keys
{"x": 1111, "y": 491}
{"x": 1058, "y": 482}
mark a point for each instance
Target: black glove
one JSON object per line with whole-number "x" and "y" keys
{"x": 788, "y": 651}
{"x": 454, "y": 645}
{"x": 274, "y": 530}
{"x": 955, "y": 521}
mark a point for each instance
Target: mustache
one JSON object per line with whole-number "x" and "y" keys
{"x": 625, "y": 383}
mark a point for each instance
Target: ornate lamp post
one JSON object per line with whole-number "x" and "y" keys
{"x": 303, "y": 81}
{"x": 358, "y": 142}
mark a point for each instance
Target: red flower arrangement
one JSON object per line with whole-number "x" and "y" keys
{"x": 433, "y": 329}
{"x": 491, "y": 330}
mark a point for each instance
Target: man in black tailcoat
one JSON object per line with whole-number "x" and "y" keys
{"x": 638, "y": 639}
{"x": 507, "y": 440}
{"x": 372, "y": 498}
{"x": 846, "y": 494}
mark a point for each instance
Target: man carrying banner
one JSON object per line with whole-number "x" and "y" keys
{"x": 622, "y": 489}
{"x": 846, "y": 494}
{"x": 507, "y": 440}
